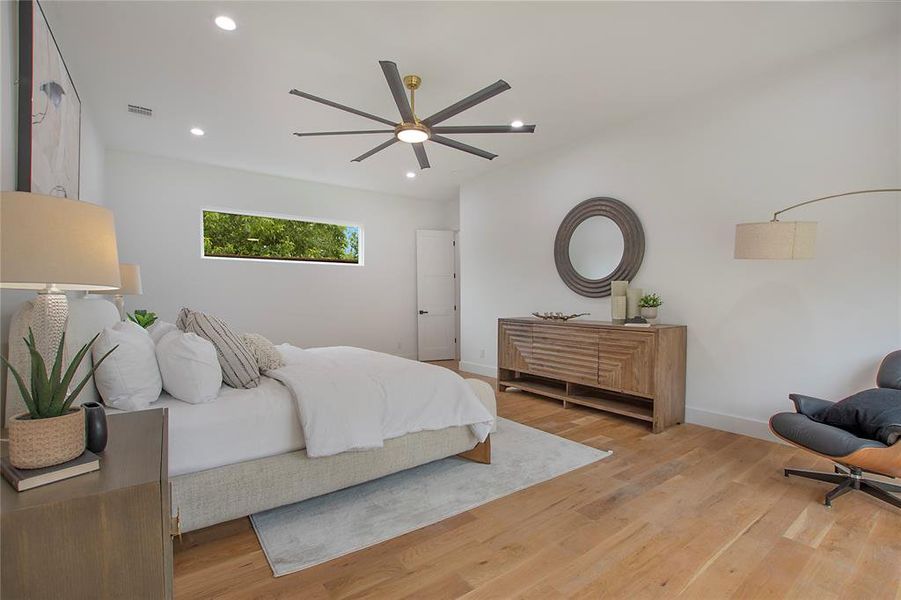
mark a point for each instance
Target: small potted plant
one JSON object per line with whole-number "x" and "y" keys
{"x": 649, "y": 303}
{"x": 51, "y": 432}
{"x": 144, "y": 318}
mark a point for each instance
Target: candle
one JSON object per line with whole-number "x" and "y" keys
{"x": 618, "y": 308}
{"x": 618, "y": 287}
{"x": 633, "y": 295}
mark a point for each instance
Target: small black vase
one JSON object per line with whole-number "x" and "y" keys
{"x": 95, "y": 426}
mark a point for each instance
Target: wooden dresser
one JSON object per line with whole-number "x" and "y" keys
{"x": 100, "y": 535}
{"x": 633, "y": 371}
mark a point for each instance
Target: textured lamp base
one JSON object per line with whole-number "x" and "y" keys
{"x": 851, "y": 480}
{"x": 51, "y": 310}
{"x": 46, "y": 315}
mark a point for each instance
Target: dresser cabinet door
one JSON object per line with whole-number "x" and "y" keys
{"x": 626, "y": 361}
{"x": 514, "y": 346}
{"x": 568, "y": 353}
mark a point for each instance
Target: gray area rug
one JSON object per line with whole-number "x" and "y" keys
{"x": 314, "y": 531}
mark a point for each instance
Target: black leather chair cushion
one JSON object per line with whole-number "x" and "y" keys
{"x": 889, "y": 375}
{"x": 873, "y": 414}
{"x": 810, "y": 406}
{"x": 821, "y": 438}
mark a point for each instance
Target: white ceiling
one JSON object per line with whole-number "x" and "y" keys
{"x": 574, "y": 68}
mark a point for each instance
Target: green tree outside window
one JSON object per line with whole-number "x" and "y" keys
{"x": 250, "y": 236}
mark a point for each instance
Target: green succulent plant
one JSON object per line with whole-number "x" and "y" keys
{"x": 48, "y": 395}
{"x": 144, "y": 318}
{"x": 650, "y": 301}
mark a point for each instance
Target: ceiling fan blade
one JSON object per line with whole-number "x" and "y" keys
{"x": 378, "y": 148}
{"x": 421, "y": 156}
{"x": 396, "y": 85}
{"x": 341, "y": 107}
{"x": 484, "y": 129}
{"x": 315, "y": 133}
{"x": 461, "y": 146}
{"x": 468, "y": 102}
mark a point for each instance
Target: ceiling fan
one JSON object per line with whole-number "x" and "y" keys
{"x": 411, "y": 129}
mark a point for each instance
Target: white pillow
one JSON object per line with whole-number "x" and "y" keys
{"x": 129, "y": 379}
{"x": 189, "y": 366}
{"x": 159, "y": 329}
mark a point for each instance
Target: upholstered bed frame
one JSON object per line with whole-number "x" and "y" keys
{"x": 208, "y": 497}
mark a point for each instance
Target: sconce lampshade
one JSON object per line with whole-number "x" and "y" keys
{"x": 49, "y": 241}
{"x": 130, "y": 274}
{"x": 775, "y": 240}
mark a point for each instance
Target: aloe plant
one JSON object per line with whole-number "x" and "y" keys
{"x": 144, "y": 318}
{"x": 48, "y": 395}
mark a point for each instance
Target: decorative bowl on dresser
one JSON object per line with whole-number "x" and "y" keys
{"x": 636, "y": 372}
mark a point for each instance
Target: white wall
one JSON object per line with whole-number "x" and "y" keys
{"x": 92, "y": 151}
{"x": 158, "y": 204}
{"x": 757, "y": 329}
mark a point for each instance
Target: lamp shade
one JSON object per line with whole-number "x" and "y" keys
{"x": 49, "y": 241}
{"x": 130, "y": 275}
{"x": 775, "y": 240}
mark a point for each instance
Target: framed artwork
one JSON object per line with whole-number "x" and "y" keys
{"x": 49, "y": 152}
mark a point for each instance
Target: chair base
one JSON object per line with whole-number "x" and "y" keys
{"x": 848, "y": 480}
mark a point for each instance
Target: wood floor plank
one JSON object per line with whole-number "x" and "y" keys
{"x": 692, "y": 513}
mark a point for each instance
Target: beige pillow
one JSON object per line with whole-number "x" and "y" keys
{"x": 264, "y": 352}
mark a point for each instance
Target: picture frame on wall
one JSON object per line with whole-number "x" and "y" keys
{"x": 49, "y": 115}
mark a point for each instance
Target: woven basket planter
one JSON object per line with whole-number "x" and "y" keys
{"x": 37, "y": 443}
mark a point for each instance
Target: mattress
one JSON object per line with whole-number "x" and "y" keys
{"x": 238, "y": 426}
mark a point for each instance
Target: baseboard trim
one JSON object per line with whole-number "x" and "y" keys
{"x": 478, "y": 369}
{"x": 724, "y": 422}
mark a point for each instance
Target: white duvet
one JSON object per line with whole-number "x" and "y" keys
{"x": 355, "y": 399}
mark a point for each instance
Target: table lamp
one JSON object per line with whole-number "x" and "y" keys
{"x": 54, "y": 245}
{"x": 130, "y": 275}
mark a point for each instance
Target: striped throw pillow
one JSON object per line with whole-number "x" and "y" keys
{"x": 239, "y": 368}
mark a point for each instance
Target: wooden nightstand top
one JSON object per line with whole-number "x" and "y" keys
{"x": 134, "y": 456}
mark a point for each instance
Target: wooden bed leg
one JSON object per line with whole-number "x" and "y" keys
{"x": 480, "y": 454}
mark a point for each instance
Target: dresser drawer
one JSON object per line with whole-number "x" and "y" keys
{"x": 514, "y": 346}
{"x": 626, "y": 362}
{"x": 567, "y": 353}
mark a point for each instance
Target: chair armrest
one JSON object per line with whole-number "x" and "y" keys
{"x": 808, "y": 405}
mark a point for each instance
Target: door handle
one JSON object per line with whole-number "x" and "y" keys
{"x": 423, "y": 312}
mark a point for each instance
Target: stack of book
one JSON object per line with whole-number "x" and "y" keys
{"x": 26, "y": 479}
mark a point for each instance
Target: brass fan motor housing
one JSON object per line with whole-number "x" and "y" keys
{"x": 408, "y": 126}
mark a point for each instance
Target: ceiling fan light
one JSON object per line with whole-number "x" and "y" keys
{"x": 411, "y": 133}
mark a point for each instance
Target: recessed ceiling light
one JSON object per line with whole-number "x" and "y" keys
{"x": 226, "y": 23}
{"x": 410, "y": 174}
{"x": 516, "y": 124}
{"x": 197, "y": 131}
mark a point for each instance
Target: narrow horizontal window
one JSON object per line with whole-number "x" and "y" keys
{"x": 262, "y": 237}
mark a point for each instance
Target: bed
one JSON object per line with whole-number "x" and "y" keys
{"x": 245, "y": 452}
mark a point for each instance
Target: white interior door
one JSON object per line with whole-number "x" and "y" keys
{"x": 436, "y": 295}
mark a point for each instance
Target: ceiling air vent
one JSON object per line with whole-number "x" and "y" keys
{"x": 141, "y": 111}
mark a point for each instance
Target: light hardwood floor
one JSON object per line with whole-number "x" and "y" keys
{"x": 690, "y": 513}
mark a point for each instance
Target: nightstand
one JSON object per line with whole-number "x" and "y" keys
{"x": 104, "y": 534}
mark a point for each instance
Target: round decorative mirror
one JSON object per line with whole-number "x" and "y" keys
{"x": 599, "y": 241}
{"x": 596, "y": 247}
